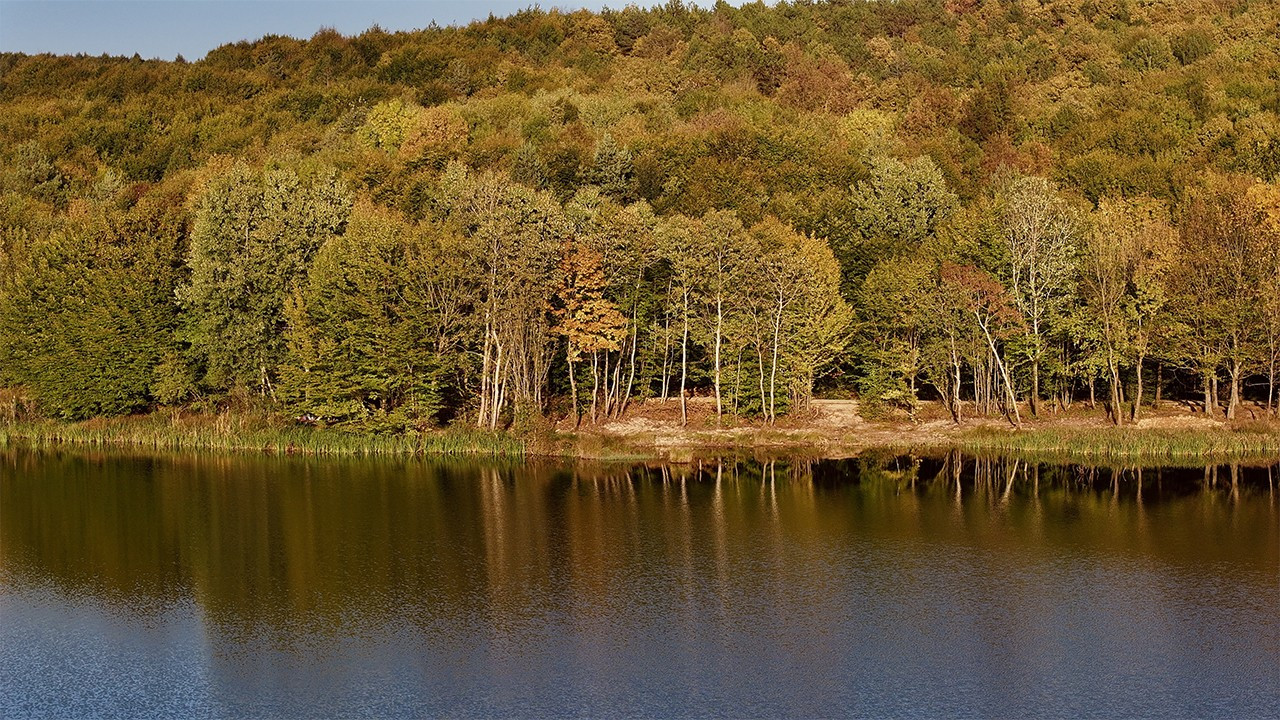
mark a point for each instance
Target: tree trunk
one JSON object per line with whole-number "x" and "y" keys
{"x": 1233, "y": 402}
{"x": 573, "y": 393}
{"x": 764, "y": 401}
{"x": 684, "y": 362}
{"x": 773, "y": 369}
{"x": 737, "y": 381}
{"x": 955, "y": 385}
{"x": 1114, "y": 406}
{"x": 666, "y": 362}
{"x": 499, "y": 391}
{"x": 631, "y": 375}
{"x": 1271, "y": 386}
{"x": 1137, "y": 391}
{"x": 1159, "y": 383}
{"x": 719, "y": 329}
{"x": 1035, "y": 386}
{"x": 482, "y": 417}
{"x": 1016, "y": 417}
{"x": 606, "y": 402}
{"x": 1217, "y": 399}
{"x": 595, "y": 384}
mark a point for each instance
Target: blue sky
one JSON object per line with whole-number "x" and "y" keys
{"x": 165, "y": 28}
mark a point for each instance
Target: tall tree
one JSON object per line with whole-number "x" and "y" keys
{"x": 370, "y": 336}
{"x": 1217, "y": 278}
{"x": 1265, "y": 198}
{"x": 514, "y": 234}
{"x": 1040, "y": 231}
{"x": 253, "y": 238}
{"x": 890, "y": 213}
{"x": 991, "y": 310}
{"x": 590, "y": 323}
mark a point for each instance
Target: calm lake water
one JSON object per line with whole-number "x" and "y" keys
{"x": 210, "y": 585}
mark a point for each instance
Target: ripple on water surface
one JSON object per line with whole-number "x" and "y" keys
{"x": 241, "y": 586}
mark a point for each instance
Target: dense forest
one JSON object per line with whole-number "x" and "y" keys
{"x": 1004, "y": 207}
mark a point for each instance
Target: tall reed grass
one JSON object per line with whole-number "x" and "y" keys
{"x": 1261, "y": 442}
{"x": 161, "y": 433}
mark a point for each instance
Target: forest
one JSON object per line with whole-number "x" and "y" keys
{"x": 1004, "y": 208}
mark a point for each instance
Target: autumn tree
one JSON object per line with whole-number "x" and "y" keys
{"x": 993, "y": 312}
{"x": 1265, "y": 199}
{"x": 1124, "y": 265}
{"x": 589, "y": 323}
{"x": 1217, "y": 284}
{"x": 1040, "y": 231}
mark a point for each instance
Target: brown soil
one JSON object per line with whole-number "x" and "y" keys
{"x": 837, "y": 428}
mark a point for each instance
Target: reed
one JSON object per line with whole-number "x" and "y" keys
{"x": 1260, "y": 441}
{"x": 253, "y": 434}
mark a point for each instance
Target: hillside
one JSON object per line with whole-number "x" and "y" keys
{"x": 993, "y": 205}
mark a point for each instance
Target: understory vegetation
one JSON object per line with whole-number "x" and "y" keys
{"x": 1002, "y": 207}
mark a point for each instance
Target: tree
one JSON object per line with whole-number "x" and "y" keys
{"x": 1040, "y": 230}
{"x": 891, "y": 213}
{"x": 514, "y": 234}
{"x": 987, "y": 303}
{"x": 86, "y": 312}
{"x": 892, "y": 331}
{"x": 589, "y": 322}
{"x": 628, "y": 247}
{"x": 726, "y": 250}
{"x": 252, "y": 240}
{"x": 1265, "y": 199}
{"x": 808, "y": 319}
{"x": 1146, "y": 307}
{"x": 678, "y": 237}
{"x": 612, "y": 170}
{"x": 1108, "y": 263}
{"x": 368, "y": 334}
{"x": 1124, "y": 263}
{"x": 1215, "y": 285}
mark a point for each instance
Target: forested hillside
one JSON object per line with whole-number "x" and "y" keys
{"x": 1006, "y": 207}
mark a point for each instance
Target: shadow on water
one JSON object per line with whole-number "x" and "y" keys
{"x": 249, "y": 585}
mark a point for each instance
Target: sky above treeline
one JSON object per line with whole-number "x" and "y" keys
{"x": 191, "y": 28}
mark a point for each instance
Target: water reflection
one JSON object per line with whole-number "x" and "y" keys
{"x": 232, "y": 585}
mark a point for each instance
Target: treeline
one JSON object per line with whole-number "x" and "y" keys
{"x": 283, "y": 286}
{"x": 1003, "y": 208}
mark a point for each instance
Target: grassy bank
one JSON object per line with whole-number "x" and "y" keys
{"x": 1255, "y": 441}
{"x": 272, "y": 434}
{"x": 157, "y": 432}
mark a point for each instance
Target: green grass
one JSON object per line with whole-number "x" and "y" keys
{"x": 1246, "y": 442}
{"x": 158, "y": 432}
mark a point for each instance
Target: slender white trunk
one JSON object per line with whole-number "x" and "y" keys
{"x": 684, "y": 362}
{"x": 773, "y": 369}
{"x": 1016, "y": 417}
{"x": 719, "y": 329}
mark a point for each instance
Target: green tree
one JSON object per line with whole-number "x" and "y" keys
{"x": 360, "y": 334}
{"x": 86, "y": 312}
{"x": 253, "y": 237}
{"x": 892, "y": 213}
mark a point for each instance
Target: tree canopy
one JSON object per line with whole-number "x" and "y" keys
{"x": 978, "y": 202}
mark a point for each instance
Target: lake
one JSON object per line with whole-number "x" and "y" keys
{"x": 239, "y": 585}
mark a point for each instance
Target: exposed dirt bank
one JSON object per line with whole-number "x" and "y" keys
{"x": 835, "y": 428}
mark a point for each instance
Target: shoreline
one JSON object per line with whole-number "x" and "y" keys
{"x": 650, "y": 437}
